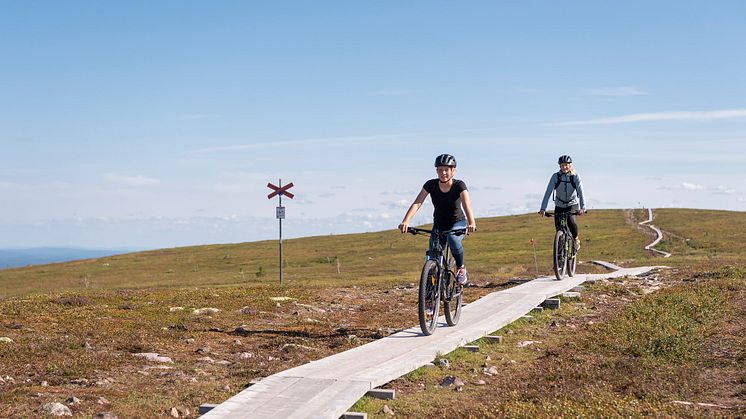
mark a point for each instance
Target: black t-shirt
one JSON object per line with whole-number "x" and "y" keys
{"x": 447, "y": 204}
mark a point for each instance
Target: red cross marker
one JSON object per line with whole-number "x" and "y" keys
{"x": 280, "y": 190}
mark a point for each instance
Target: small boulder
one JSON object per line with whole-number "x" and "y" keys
{"x": 154, "y": 357}
{"x": 205, "y": 311}
{"x": 57, "y": 409}
{"x": 5, "y": 339}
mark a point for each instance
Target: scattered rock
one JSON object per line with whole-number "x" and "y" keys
{"x": 203, "y": 350}
{"x": 72, "y": 400}
{"x": 442, "y": 362}
{"x": 190, "y": 340}
{"x": 387, "y": 410}
{"x": 450, "y": 380}
{"x": 281, "y": 299}
{"x": 154, "y": 357}
{"x": 480, "y": 383}
{"x": 173, "y": 309}
{"x": 105, "y": 415}
{"x": 290, "y": 346}
{"x": 216, "y": 329}
{"x": 44, "y": 384}
{"x": 311, "y": 308}
{"x": 242, "y": 330}
{"x": 310, "y": 320}
{"x": 245, "y": 355}
{"x": 206, "y": 359}
{"x": 5, "y": 339}
{"x": 524, "y": 343}
{"x": 80, "y": 381}
{"x": 248, "y": 310}
{"x": 223, "y": 362}
{"x": 226, "y": 388}
{"x": 103, "y": 401}
{"x": 174, "y": 412}
{"x": 491, "y": 371}
{"x": 57, "y": 409}
{"x": 206, "y": 310}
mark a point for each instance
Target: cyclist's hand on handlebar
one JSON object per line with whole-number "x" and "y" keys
{"x": 471, "y": 228}
{"x": 541, "y": 213}
{"x": 581, "y": 211}
{"x": 403, "y": 227}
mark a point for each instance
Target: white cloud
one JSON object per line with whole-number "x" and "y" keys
{"x": 722, "y": 190}
{"x": 691, "y": 186}
{"x": 620, "y": 91}
{"x": 662, "y": 116}
{"x": 137, "y": 180}
{"x": 306, "y": 141}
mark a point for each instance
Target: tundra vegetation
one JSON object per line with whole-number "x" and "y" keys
{"x": 213, "y": 318}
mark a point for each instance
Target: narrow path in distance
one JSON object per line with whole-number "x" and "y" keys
{"x": 658, "y": 232}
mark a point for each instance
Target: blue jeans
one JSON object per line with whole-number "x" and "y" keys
{"x": 454, "y": 241}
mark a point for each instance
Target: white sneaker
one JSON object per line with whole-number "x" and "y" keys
{"x": 461, "y": 278}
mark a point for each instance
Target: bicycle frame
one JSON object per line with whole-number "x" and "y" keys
{"x": 438, "y": 282}
{"x": 440, "y": 253}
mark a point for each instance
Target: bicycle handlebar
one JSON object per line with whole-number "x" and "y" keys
{"x": 456, "y": 231}
{"x": 551, "y": 214}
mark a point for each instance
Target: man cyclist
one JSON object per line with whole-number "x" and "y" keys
{"x": 452, "y": 209}
{"x": 568, "y": 197}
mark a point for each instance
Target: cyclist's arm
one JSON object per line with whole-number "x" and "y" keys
{"x": 581, "y": 195}
{"x": 413, "y": 210}
{"x": 466, "y": 203}
{"x": 547, "y": 193}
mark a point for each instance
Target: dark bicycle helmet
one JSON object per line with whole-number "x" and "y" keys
{"x": 445, "y": 160}
{"x": 564, "y": 159}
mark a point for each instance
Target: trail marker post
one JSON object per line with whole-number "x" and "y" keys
{"x": 536, "y": 263}
{"x": 279, "y": 191}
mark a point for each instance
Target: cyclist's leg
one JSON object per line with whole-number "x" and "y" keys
{"x": 557, "y": 211}
{"x": 454, "y": 241}
{"x": 571, "y": 222}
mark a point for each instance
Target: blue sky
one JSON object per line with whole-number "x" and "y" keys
{"x": 159, "y": 124}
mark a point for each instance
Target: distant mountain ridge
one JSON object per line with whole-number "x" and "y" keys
{"x": 11, "y": 258}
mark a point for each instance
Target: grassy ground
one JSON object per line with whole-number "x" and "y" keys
{"x": 76, "y": 326}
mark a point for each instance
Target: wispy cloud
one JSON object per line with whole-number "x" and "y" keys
{"x": 304, "y": 141}
{"x": 137, "y": 180}
{"x": 722, "y": 190}
{"x": 684, "y": 186}
{"x": 662, "y": 116}
{"x": 620, "y": 91}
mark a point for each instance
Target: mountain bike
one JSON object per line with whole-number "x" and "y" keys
{"x": 565, "y": 256}
{"x": 438, "y": 282}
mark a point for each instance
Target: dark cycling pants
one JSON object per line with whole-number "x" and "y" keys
{"x": 454, "y": 241}
{"x": 570, "y": 219}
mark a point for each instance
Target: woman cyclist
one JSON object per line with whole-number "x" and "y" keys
{"x": 568, "y": 189}
{"x": 449, "y": 196}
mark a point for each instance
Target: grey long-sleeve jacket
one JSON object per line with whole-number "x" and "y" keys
{"x": 565, "y": 195}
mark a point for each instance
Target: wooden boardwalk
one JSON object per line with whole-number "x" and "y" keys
{"x": 326, "y": 388}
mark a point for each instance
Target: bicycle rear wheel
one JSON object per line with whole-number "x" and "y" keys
{"x": 429, "y": 297}
{"x": 452, "y": 300}
{"x": 560, "y": 255}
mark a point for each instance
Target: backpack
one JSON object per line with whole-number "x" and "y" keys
{"x": 559, "y": 180}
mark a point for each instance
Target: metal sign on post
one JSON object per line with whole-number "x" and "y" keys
{"x": 279, "y": 191}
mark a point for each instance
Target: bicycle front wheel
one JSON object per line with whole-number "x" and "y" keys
{"x": 572, "y": 258}
{"x": 429, "y": 297}
{"x": 560, "y": 255}
{"x": 452, "y": 298}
